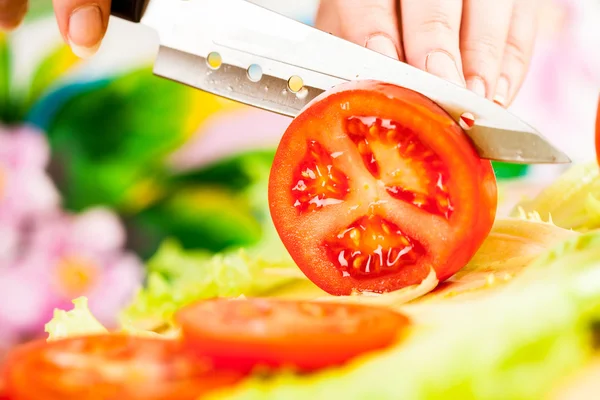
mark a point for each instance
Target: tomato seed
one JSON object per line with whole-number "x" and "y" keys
{"x": 420, "y": 163}
{"x": 314, "y": 188}
{"x": 372, "y": 246}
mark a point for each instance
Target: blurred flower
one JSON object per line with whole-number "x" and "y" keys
{"x": 560, "y": 94}
{"x": 26, "y": 191}
{"x": 65, "y": 257}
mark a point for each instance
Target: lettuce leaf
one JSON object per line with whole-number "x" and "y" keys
{"x": 509, "y": 248}
{"x": 512, "y": 344}
{"x": 81, "y": 322}
{"x": 571, "y": 202}
{"x": 77, "y": 322}
{"x": 507, "y": 251}
{"x": 179, "y": 277}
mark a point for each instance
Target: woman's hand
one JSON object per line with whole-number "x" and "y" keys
{"x": 82, "y": 23}
{"x": 483, "y": 44}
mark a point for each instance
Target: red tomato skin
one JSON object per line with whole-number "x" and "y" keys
{"x": 472, "y": 187}
{"x": 285, "y": 343}
{"x": 29, "y": 376}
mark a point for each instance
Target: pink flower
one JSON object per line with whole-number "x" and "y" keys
{"x": 26, "y": 190}
{"x": 65, "y": 257}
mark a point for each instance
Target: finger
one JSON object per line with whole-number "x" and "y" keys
{"x": 327, "y": 18}
{"x": 82, "y": 23}
{"x": 483, "y": 36}
{"x": 12, "y": 13}
{"x": 370, "y": 23}
{"x": 517, "y": 51}
{"x": 430, "y": 34}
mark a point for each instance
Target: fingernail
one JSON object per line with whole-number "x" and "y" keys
{"x": 501, "y": 95}
{"x": 85, "y": 30}
{"x": 477, "y": 86}
{"x": 382, "y": 44}
{"x": 442, "y": 64}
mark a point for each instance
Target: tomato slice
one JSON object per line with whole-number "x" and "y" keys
{"x": 110, "y": 366}
{"x": 373, "y": 184}
{"x": 304, "y": 335}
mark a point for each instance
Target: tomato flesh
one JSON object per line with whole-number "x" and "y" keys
{"x": 410, "y": 170}
{"x": 304, "y": 335}
{"x": 373, "y": 185}
{"x": 372, "y": 246}
{"x": 317, "y": 182}
{"x": 110, "y": 366}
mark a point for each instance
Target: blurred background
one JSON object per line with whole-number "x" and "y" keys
{"x": 102, "y": 164}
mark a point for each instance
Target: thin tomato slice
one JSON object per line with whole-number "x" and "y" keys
{"x": 110, "y": 366}
{"x": 244, "y": 333}
{"x": 373, "y": 185}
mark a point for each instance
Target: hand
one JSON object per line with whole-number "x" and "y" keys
{"x": 483, "y": 44}
{"x": 82, "y": 23}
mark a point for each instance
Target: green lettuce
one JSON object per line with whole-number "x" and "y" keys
{"x": 572, "y": 201}
{"x": 513, "y": 344}
{"x": 77, "y": 322}
{"x": 177, "y": 276}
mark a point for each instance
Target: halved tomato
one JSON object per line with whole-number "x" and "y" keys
{"x": 110, "y": 366}
{"x": 244, "y": 333}
{"x": 373, "y": 184}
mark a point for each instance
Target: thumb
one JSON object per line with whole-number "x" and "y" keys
{"x": 82, "y": 23}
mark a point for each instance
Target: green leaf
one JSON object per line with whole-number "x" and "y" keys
{"x": 220, "y": 206}
{"x": 5, "y": 74}
{"x": 113, "y": 140}
{"x": 205, "y": 217}
{"x": 52, "y": 67}
{"x": 235, "y": 173}
{"x": 178, "y": 277}
{"x": 38, "y": 9}
{"x": 570, "y": 201}
{"x": 129, "y": 187}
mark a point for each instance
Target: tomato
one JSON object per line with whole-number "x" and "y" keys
{"x": 110, "y": 366}
{"x": 305, "y": 335}
{"x": 373, "y": 185}
{"x": 598, "y": 132}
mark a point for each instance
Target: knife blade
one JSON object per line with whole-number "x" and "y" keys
{"x": 239, "y": 34}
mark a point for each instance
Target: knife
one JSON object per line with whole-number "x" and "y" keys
{"x": 247, "y": 53}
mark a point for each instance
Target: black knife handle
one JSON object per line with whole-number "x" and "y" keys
{"x": 131, "y": 10}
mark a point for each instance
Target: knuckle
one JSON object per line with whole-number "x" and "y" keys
{"x": 378, "y": 8}
{"x": 437, "y": 23}
{"x": 515, "y": 54}
{"x": 362, "y": 18}
{"x": 484, "y": 47}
